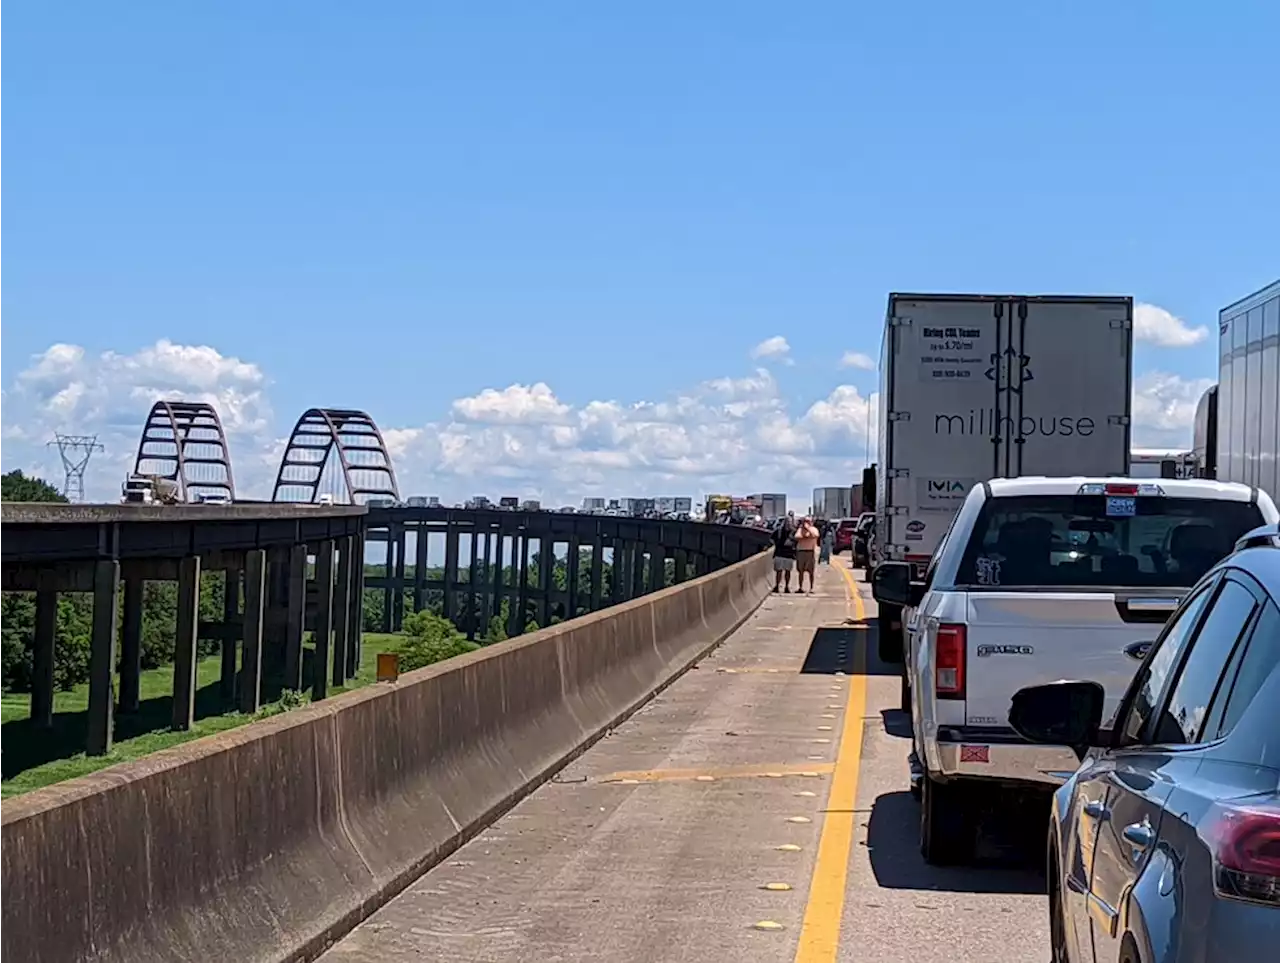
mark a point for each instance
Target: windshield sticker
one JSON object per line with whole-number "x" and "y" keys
{"x": 988, "y": 571}
{"x": 1121, "y": 506}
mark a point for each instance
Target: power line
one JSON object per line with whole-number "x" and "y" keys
{"x": 76, "y": 450}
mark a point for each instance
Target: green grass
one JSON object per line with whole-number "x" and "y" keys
{"x": 35, "y": 758}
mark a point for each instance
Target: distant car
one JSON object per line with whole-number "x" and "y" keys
{"x": 861, "y": 551}
{"x": 1041, "y": 579}
{"x": 213, "y": 498}
{"x": 844, "y": 534}
{"x": 1164, "y": 845}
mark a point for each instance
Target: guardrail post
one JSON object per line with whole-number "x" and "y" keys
{"x": 681, "y": 560}
{"x": 102, "y": 657}
{"x": 184, "y": 640}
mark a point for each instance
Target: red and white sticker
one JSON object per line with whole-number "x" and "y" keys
{"x": 975, "y": 753}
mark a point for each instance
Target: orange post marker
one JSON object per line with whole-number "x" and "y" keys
{"x": 388, "y": 666}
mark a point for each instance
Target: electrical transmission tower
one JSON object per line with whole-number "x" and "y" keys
{"x": 76, "y": 450}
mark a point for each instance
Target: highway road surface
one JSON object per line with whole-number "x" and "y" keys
{"x": 756, "y": 810}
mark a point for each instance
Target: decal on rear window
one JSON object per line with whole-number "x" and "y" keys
{"x": 988, "y": 570}
{"x": 1121, "y": 506}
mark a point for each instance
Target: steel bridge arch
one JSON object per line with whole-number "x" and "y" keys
{"x": 186, "y": 434}
{"x": 321, "y": 432}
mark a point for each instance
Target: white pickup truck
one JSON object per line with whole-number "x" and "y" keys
{"x": 1037, "y": 580}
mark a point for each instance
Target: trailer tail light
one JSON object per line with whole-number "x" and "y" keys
{"x": 1244, "y": 837}
{"x": 949, "y": 648}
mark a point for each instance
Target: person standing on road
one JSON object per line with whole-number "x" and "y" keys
{"x": 784, "y": 553}
{"x": 828, "y": 543}
{"x": 806, "y": 551}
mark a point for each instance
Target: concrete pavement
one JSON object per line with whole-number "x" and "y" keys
{"x": 757, "y": 809}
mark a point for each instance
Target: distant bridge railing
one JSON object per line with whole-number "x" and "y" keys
{"x": 492, "y": 562}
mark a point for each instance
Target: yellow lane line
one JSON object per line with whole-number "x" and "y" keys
{"x": 820, "y": 931}
{"x": 726, "y": 772}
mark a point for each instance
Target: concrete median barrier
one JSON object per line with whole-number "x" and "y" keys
{"x": 268, "y": 842}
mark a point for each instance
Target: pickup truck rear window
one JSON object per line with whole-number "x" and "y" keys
{"x": 1090, "y": 541}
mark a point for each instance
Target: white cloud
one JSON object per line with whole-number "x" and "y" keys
{"x": 1155, "y": 325}
{"x": 67, "y": 389}
{"x": 856, "y": 359}
{"x": 775, "y": 348}
{"x": 518, "y": 404}
{"x": 1164, "y": 408}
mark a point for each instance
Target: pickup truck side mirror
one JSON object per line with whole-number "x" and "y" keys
{"x": 1059, "y": 714}
{"x": 891, "y": 584}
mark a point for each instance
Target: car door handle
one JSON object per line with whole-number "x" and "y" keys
{"x": 1096, "y": 809}
{"x": 1139, "y": 835}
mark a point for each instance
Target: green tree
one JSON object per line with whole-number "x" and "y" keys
{"x": 430, "y": 638}
{"x": 17, "y": 487}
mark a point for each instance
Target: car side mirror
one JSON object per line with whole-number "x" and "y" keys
{"x": 891, "y": 583}
{"x": 1059, "y": 714}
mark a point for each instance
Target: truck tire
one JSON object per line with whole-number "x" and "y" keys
{"x": 947, "y": 823}
{"x": 889, "y": 638}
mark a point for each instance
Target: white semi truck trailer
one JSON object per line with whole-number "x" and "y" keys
{"x": 979, "y": 386}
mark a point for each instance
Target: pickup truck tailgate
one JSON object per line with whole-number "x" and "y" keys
{"x": 1018, "y": 639}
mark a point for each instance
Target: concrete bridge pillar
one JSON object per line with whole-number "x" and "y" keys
{"x": 255, "y": 598}
{"x": 342, "y": 610}
{"x": 184, "y": 641}
{"x": 295, "y": 618}
{"x": 324, "y": 618}
{"x": 102, "y": 658}
{"x": 131, "y": 646}
{"x": 231, "y": 633}
{"x": 42, "y": 686}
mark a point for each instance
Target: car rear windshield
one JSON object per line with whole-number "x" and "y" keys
{"x": 1096, "y": 541}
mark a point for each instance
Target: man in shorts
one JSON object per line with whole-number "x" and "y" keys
{"x": 784, "y": 553}
{"x": 806, "y": 542}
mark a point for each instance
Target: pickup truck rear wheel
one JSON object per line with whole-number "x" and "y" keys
{"x": 947, "y": 823}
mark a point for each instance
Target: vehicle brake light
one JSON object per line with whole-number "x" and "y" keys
{"x": 1244, "y": 838}
{"x": 1119, "y": 488}
{"x": 948, "y": 677}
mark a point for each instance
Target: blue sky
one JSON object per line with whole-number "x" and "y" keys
{"x": 398, "y": 205}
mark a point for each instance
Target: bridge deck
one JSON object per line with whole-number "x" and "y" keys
{"x": 755, "y": 810}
